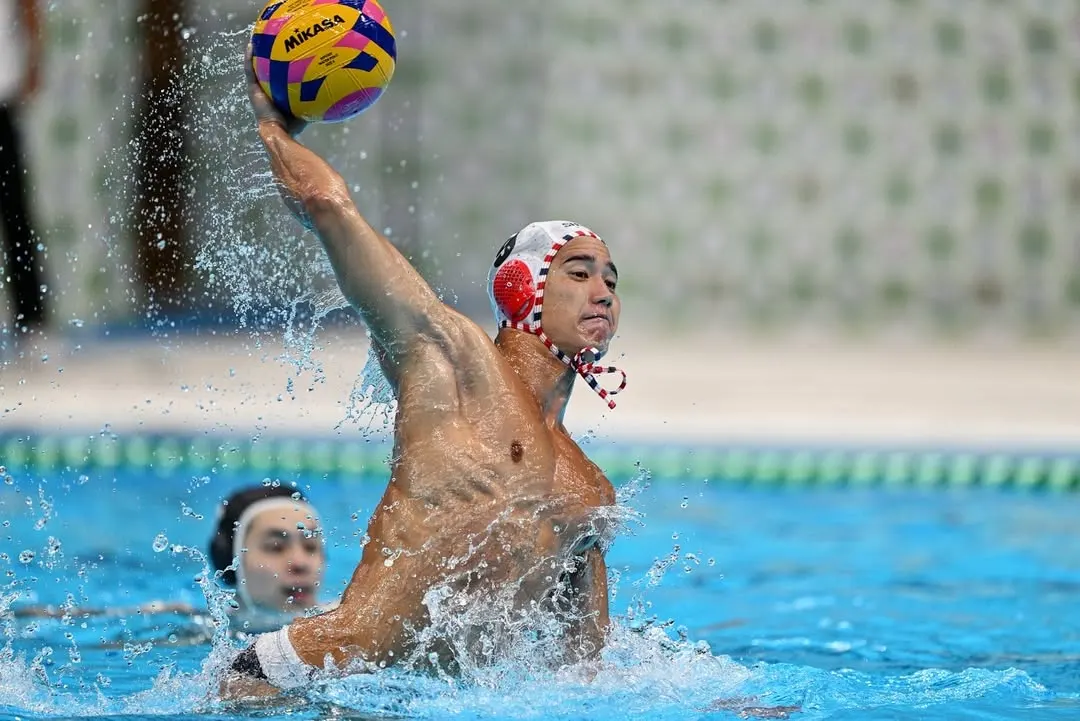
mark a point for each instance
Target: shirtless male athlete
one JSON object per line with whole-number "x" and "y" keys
{"x": 488, "y": 493}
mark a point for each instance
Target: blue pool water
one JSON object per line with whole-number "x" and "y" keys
{"x": 850, "y": 603}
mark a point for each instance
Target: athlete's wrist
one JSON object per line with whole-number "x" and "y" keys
{"x": 272, "y": 659}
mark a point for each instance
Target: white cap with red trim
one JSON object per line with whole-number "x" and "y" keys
{"x": 516, "y": 284}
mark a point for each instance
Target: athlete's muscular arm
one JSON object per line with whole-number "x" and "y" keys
{"x": 397, "y": 305}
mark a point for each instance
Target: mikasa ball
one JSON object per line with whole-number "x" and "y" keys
{"x": 323, "y": 60}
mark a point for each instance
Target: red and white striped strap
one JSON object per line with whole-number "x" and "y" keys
{"x": 587, "y": 369}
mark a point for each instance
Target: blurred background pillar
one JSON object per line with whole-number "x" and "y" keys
{"x": 161, "y": 161}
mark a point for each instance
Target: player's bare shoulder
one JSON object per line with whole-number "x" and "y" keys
{"x": 472, "y": 353}
{"x": 463, "y": 334}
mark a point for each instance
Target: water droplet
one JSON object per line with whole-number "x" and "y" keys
{"x": 161, "y": 542}
{"x": 26, "y": 556}
{"x": 9, "y": 479}
{"x": 685, "y": 502}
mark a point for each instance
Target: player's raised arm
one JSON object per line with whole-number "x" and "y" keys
{"x": 397, "y": 304}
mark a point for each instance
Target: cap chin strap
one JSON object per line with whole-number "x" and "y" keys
{"x": 583, "y": 363}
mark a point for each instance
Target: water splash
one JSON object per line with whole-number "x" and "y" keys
{"x": 639, "y": 483}
{"x": 644, "y": 676}
{"x": 372, "y": 405}
{"x": 645, "y": 670}
{"x": 259, "y": 269}
{"x": 267, "y": 267}
{"x": 635, "y": 676}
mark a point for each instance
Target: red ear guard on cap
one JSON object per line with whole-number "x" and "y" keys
{"x": 514, "y": 290}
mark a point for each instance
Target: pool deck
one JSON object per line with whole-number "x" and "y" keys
{"x": 689, "y": 389}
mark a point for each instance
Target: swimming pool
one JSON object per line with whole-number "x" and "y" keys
{"x": 873, "y": 600}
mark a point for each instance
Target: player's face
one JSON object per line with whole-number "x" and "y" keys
{"x": 581, "y": 308}
{"x": 285, "y": 560}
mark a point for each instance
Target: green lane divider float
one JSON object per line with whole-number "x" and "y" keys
{"x": 764, "y": 467}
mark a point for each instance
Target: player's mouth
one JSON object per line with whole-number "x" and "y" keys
{"x": 302, "y": 595}
{"x": 597, "y": 322}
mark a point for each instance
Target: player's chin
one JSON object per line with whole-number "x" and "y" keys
{"x": 596, "y": 339}
{"x": 596, "y": 332}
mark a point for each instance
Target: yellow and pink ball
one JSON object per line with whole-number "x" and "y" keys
{"x": 323, "y": 60}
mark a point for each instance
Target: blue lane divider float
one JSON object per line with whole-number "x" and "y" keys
{"x": 759, "y": 466}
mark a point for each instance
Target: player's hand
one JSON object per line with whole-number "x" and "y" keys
{"x": 263, "y": 107}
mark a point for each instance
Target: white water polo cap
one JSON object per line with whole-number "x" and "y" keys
{"x": 516, "y": 289}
